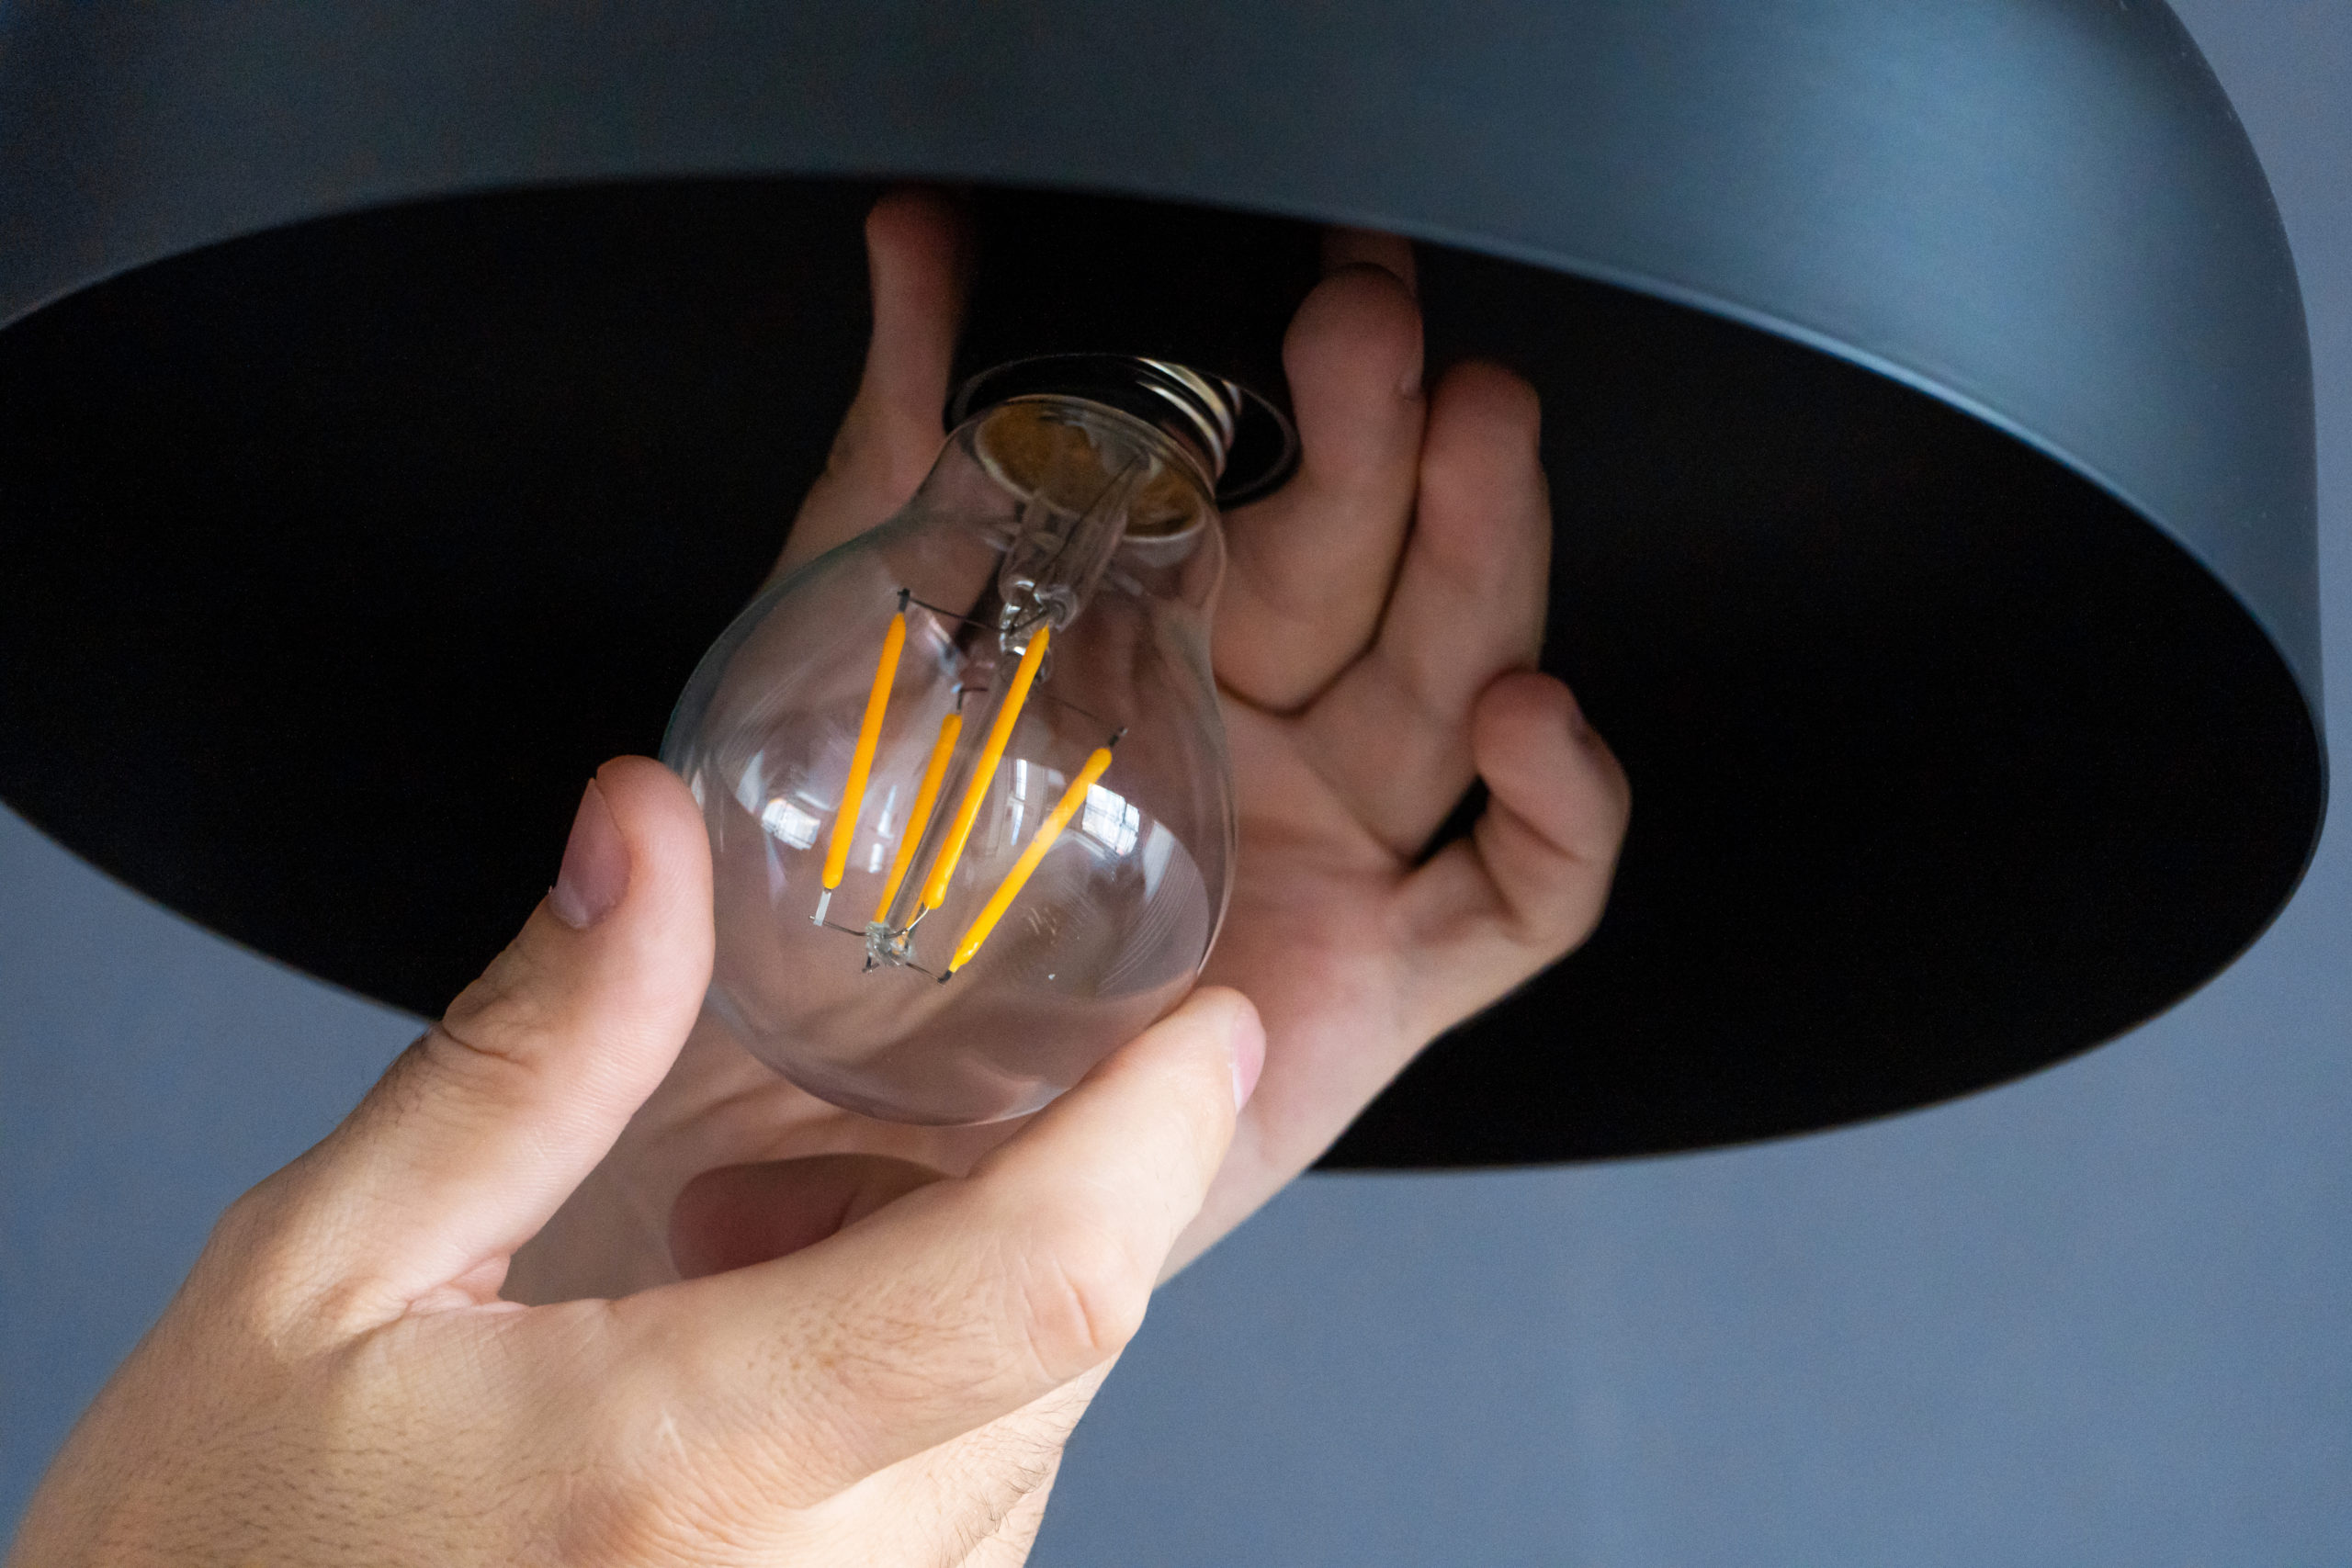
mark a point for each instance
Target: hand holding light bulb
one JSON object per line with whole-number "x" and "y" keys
{"x": 339, "y": 1383}
{"x": 1375, "y": 647}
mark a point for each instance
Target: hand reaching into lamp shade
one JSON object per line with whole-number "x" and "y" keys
{"x": 1374, "y": 650}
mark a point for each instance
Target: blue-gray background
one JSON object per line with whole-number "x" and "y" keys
{"x": 2104, "y": 1316}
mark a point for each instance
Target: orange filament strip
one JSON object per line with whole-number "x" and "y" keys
{"x": 967, "y": 811}
{"x": 1048, "y": 831}
{"x": 920, "y": 817}
{"x": 861, "y": 762}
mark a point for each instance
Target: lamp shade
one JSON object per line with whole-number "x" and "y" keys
{"x": 394, "y": 401}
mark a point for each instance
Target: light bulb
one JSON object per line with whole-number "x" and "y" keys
{"x": 970, "y": 810}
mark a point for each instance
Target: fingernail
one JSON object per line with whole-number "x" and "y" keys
{"x": 1249, "y": 1054}
{"x": 595, "y": 865}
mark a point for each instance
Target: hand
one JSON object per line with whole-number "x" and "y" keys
{"x": 339, "y": 1383}
{"x": 1375, "y": 643}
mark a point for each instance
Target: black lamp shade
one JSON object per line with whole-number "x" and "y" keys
{"x": 394, "y": 404}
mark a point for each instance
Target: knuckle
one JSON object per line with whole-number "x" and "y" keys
{"x": 245, "y": 1225}
{"x": 486, "y": 1067}
{"x": 513, "y": 1002}
{"x": 1568, "y": 928}
{"x": 490, "y": 1039}
{"x": 269, "y": 1267}
{"x": 1084, "y": 1294}
{"x": 1555, "y": 927}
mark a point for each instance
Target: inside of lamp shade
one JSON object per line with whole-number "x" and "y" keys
{"x": 339, "y": 556}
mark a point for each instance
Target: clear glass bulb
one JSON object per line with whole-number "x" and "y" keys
{"x": 969, "y": 804}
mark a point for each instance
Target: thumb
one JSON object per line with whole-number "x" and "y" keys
{"x": 485, "y": 1126}
{"x": 915, "y": 245}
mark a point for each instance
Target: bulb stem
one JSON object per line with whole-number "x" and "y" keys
{"x": 1058, "y": 556}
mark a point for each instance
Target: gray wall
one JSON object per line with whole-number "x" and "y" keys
{"x": 2099, "y": 1317}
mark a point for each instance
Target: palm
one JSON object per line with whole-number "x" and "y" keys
{"x": 1373, "y": 615}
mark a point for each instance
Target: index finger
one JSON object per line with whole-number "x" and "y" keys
{"x": 1309, "y": 566}
{"x": 969, "y": 1298}
{"x": 914, "y": 248}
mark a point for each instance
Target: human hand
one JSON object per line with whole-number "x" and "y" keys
{"x": 339, "y": 1382}
{"x": 1375, "y": 643}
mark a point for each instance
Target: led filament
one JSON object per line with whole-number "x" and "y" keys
{"x": 882, "y": 940}
{"x": 991, "y": 722}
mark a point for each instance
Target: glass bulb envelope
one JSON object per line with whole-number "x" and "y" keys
{"x": 970, "y": 809}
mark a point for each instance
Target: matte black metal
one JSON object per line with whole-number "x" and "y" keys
{"x": 1967, "y": 669}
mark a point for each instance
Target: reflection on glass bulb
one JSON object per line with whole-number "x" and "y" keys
{"x": 971, "y": 811}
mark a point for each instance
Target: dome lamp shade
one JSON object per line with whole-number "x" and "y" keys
{"x": 394, "y": 404}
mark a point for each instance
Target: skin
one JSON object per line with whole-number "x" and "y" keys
{"x": 581, "y": 1282}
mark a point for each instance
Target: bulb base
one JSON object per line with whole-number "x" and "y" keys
{"x": 1247, "y": 446}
